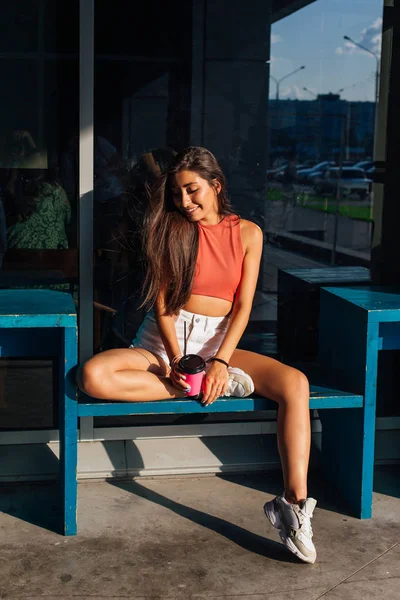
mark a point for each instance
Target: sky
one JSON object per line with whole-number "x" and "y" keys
{"x": 313, "y": 37}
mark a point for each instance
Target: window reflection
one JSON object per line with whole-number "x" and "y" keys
{"x": 37, "y": 209}
{"x": 38, "y": 206}
{"x": 38, "y": 203}
{"x": 323, "y": 97}
{"x": 280, "y": 109}
{"x": 285, "y": 103}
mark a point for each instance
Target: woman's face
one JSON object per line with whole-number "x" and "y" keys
{"x": 195, "y": 197}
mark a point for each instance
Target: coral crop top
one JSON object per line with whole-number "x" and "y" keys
{"x": 219, "y": 259}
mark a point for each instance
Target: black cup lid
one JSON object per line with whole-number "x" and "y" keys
{"x": 192, "y": 364}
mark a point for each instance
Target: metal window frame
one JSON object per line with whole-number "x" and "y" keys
{"x": 86, "y": 184}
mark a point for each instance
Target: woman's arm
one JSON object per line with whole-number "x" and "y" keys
{"x": 253, "y": 244}
{"x": 217, "y": 375}
{"x": 167, "y": 330}
{"x": 166, "y": 327}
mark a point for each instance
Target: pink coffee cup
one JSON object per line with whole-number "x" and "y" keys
{"x": 193, "y": 367}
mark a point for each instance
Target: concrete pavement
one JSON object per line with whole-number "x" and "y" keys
{"x": 195, "y": 537}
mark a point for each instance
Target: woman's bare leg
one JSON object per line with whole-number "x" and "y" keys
{"x": 289, "y": 388}
{"x": 128, "y": 375}
{"x": 138, "y": 375}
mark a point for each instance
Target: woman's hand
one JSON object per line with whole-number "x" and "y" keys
{"x": 177, "y": 378}
{"x": 215, "y": 382}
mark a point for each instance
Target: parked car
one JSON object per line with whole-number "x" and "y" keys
{"x": 274, "y": 173}
{"x": 278, "y": 174}
{"x": 306, "y": 175}
{"x": 351, "y": 181}
{"x": 365, "y": 165}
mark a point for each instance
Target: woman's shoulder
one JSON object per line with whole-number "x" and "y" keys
{"x": 252, "y": 234}
{"x": 250, "y": 229}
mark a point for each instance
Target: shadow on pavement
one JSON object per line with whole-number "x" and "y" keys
{"x": 251, "y": 542}
{"x": 387, "y": 480}
{"x": 271, "y": 483}
{"x": 38, "y": 504}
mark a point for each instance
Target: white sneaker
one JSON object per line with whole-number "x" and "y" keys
{"x": 240, "y": 384}
{"x": 294, "y": 524}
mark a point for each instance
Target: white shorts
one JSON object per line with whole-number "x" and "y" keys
{"x": 204, "y": 335}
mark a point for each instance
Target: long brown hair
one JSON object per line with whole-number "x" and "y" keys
{"x": 170, "y": 240}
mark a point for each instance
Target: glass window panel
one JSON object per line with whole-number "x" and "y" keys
{"x": 26, "y": 394}
{"x": 19, "y": 26}
{"x": 142, "y": 31}
{"x": 16, "y": 113}
{"x": 60, "y": 26}
{"x": 282, "y": 100}
{"x": 38, "y": 191}
{"x": 322, "y": 114}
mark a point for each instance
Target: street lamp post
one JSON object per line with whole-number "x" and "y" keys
{"x": 349, "y": 87}
{"x": 348, "y": 119}
{"x": 377, "y": 71}
{"x": 310, "y": 92}
{"x": 318, "y": 136}
{"x": 278, "y": 81}
{"x": 377, "y": 68}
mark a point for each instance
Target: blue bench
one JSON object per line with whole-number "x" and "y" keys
{"x": 53, "y": 313}
{"x": 356, "y": 323}
{"x": 42, "y": 324}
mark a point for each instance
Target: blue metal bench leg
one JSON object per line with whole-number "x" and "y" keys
{"x": 348, "y": 457}
{"x": 68, "y": 416}
{"x": 348, "y": 350}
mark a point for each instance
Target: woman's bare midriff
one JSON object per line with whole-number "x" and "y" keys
{"x": 208, "y": 306}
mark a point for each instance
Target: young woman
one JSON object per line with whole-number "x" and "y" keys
{"x": 203, "y": 263}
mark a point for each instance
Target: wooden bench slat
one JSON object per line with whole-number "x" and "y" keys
{"x": 319, "y": 398}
